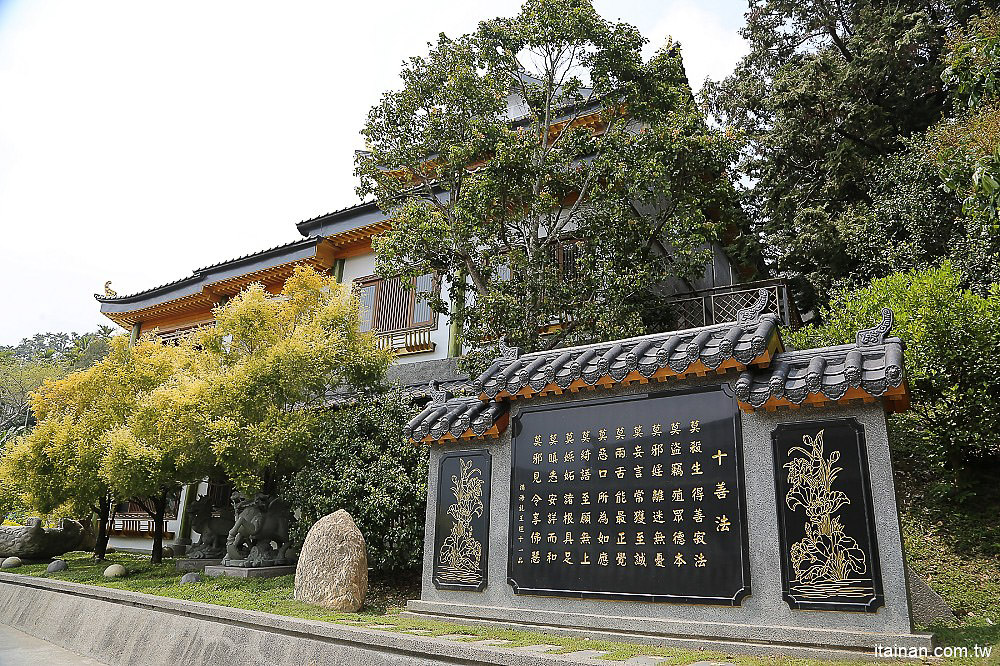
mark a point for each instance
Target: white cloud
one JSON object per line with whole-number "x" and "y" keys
{"x": 139, "y": 141}
{"x": 709, "y": 36}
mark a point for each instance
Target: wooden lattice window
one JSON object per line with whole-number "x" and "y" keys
{"x": 396, "y": 304}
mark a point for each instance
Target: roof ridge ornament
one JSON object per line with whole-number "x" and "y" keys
{"x": 869, "y": 337}
{"x": 507, "y": 354}
{"x": 438, "y": 395}
{"x": 752, "y": 313}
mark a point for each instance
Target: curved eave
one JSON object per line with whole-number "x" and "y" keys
{"x": 208, "y": 286}
{"x": 894, "y": 400}
{"x": 344, "y": 220}
{"x": 498, "y": 428}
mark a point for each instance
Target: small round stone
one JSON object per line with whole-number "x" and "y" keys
{"x": 114, "y": 571}
{"x": 110, "y": 549}
{"x": 11, "y": 563}
{"x": 168, "y": 551}
{"x": 56, "y": 565}
{"x": 191, "y": 577}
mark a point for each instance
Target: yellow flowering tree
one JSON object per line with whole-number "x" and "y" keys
{"x": 269, "y": 363}
{"x": 241, "y": 397}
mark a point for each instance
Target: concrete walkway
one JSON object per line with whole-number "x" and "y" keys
{"x": 20, "y": 649}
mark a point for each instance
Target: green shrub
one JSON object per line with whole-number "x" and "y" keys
{"x": 362, "y": 463}
{"x": 952, "y": 338}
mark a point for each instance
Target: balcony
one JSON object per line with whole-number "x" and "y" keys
{"x": 406, "y": 342}
{"x": 720, "y": 304}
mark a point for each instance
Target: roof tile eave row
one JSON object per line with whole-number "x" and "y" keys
{"x": 716, "y": 348}
{"x": 871, "y": 369}
{"x": 457, "y": 419}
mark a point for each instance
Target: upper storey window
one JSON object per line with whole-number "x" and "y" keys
{"x": 396, "y": 304}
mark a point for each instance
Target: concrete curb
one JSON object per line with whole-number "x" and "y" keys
{"x": 121, "y": 627}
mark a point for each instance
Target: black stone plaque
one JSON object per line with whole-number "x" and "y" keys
{"x": 634, "y": 498}
{"x": 826, "y": 522}
{"x": 462, "y": 526}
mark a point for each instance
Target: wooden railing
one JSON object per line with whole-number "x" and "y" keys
{"x": 406, "y": 342}
{"x": 141, "y": 527}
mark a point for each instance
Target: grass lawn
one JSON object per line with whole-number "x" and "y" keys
{"x": 386, "y": 600}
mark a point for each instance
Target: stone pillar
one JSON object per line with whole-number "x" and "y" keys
{"x": 183, "y": 539}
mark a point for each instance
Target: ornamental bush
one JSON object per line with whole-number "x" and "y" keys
{"x": 952, "y": 336}
{"x": 362, "y": 463}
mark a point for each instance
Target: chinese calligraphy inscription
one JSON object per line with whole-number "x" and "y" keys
{"x": 829, "y": 551}
{"x": 462, "y": 525}
{"x": 635, "y": 498}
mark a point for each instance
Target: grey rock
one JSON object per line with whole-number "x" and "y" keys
{"x": 926, "y": 605}
{"x": 10, "y": 563}
{"x": 191, "y": 577}
{"x": 57, "y": 565}
{"x": 32, "y": 541}
{"x": 109, "y": 550}
{"x": 333, "y": 565}
{"x": 115, "y": 571}
{"x": 249, "y": 572}
{"x": 168, "y": 551}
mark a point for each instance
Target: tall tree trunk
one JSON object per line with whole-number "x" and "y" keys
{"x": 103, "y": 520}
{"x": 160, "y": 505}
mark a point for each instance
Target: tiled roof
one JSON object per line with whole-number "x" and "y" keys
{"x": 752, "y": 339}
{"x": 870, "y": 368}
{"x": 200, "y": 273}
{"x": 447, "y": 418}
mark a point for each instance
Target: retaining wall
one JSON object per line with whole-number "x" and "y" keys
{"x": 125, "y": 628}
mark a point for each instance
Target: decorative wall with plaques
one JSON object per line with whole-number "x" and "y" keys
{"x": 829, "y": 548}
{"x": 635, "y": 497}
{"x": 462, "y": 529}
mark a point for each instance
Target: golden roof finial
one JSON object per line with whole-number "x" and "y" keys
{"x": 108, "y": 291}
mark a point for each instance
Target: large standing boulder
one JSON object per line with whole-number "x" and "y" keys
{"x": 333, "y": 566}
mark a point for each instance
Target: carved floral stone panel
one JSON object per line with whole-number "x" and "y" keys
{"x": 462, "y": 528}
{"x": 825, "y": 517}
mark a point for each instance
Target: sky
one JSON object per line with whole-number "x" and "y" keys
{"x": 142, "y": 140}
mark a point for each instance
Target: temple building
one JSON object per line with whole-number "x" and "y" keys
{"x": 425, "y": 343}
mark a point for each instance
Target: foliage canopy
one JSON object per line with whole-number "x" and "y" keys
{"x": 952, "y": 335}
{"x": 362, "y": 463}
{"x": 550, "y": 174}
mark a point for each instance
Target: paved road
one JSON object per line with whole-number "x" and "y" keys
{"x": 20, "y": 649}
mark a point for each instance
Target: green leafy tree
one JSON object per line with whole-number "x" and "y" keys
{"x": 71, "y": 350}
{"x": 952, "y": 335}
{"x": 966, "y": 145}
{"x": 18, "y": 378}
{"x": 605, "y": 186}
{"x": 829, "y": 92}
{"x": 265, "y": 369}
{"x": 362, "y": 463}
